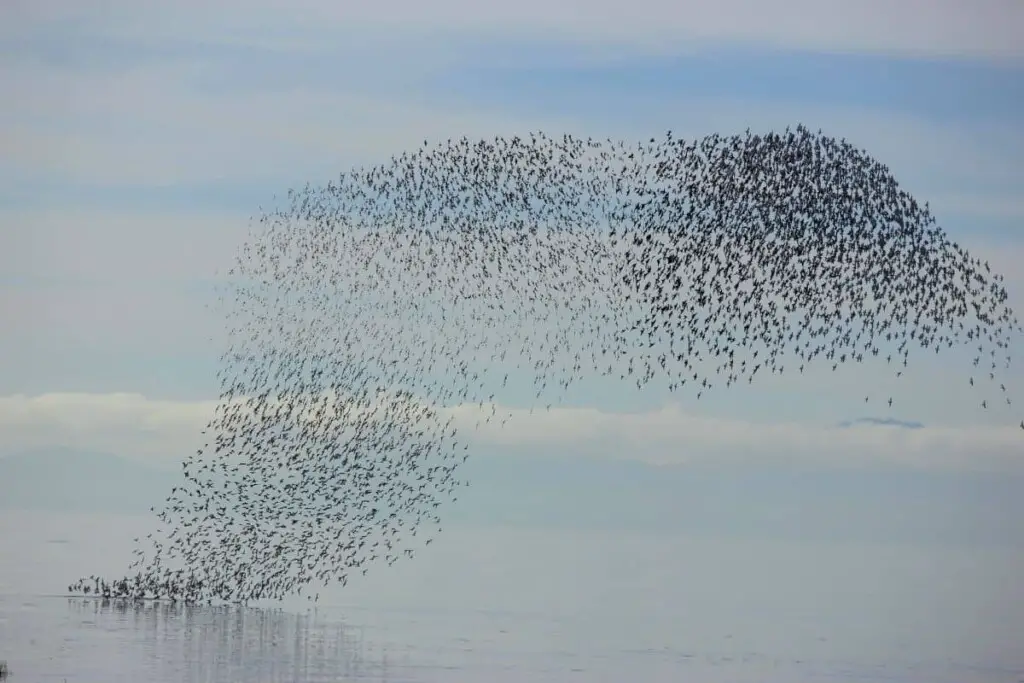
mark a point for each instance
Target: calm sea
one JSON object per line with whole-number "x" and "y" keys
{"x": 508, "y": 604}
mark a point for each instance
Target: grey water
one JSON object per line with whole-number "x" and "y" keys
{"x": 500, "y": 603}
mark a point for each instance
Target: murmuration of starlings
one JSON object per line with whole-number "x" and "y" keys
{"x": 360, "y": 312}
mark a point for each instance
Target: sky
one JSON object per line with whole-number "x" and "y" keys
{"x": 138, "y": 140}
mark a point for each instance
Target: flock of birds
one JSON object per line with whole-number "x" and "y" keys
{"x": 362, "y": 312}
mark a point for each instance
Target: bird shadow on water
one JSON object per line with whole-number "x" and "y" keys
{"x": 181, "y": 642}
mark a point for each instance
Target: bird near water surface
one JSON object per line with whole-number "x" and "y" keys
{"x": 362, "y": 308}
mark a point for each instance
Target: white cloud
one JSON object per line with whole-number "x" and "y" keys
{"x": 151, "y": 125}
{"x": 671, "y": 436}
{"x": 119, "y": 245}
{"x": 926, "y": 157}
{"x": 922, "y": 27}
{"x": 126, "y": 424}
{"x": 128, "y": 279}
{"x": 137, "y": 426}
{"x": 128, "y": 317}
{"x": 155, "y": 122}
{"x": 160, "y": 130}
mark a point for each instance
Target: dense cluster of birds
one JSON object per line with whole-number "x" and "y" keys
{"x": 364, "y": 312}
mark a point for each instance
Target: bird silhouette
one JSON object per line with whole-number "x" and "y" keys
{"x": 361, "y": 310}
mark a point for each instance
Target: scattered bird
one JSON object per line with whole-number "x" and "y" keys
{"x": 366, "y": 306}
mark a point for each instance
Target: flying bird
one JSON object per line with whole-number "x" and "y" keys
{"x": 361, "y": 308}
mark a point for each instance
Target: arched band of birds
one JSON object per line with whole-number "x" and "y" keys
{"x": 363, "y": 308}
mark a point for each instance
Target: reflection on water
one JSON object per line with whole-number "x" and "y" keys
{"x": 238, "y": 643}
{"x": 160, "y": 641}
{"x": 507, "y": 606}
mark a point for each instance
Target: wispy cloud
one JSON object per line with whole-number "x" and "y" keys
{"x": 138, "y": 139}
{"x": 989, "y": 28}
{"x": 113, "y": 316}
{"x": 159, "y": 131}
{"x": 117, "y": 245}
{"x": 136, "y": 426}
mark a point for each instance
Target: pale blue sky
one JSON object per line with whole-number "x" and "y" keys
{"x": 138, "y": 141}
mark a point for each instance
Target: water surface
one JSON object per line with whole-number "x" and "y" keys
{"x": 507, "y": 604}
